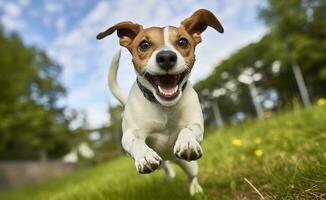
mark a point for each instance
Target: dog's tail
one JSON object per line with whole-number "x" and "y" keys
{"x": 112, "y": 79}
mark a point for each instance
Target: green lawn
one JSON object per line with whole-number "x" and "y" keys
{"x": 283, "y": 156}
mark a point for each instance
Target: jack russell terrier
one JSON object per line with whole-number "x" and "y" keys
{"x": 162, "y": 117}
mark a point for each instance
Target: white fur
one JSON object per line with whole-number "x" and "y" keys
{"x": 157, "y": 132}
{"x": 166, "y": 36}
{"x": 112, "y": 79}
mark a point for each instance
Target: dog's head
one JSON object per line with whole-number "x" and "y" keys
{"x": 164, "y": 57}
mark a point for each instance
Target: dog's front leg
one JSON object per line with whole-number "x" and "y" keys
{"x": 146, "y": 159}
{"x": 187, "y": 145}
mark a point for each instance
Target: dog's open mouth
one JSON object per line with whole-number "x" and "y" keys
{"x": 167, "y": 86}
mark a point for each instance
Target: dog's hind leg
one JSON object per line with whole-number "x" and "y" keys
{"x": 170, "y": 174}
{"x": 191, "y": 169}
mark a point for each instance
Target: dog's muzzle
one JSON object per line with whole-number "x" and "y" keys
{"x": 167, "y": 86}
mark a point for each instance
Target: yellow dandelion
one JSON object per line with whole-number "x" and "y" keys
{"x": 257, "y": 140}
{"x": 321, "y": 102}
{"x": 236, "y": 142}
{"x": 258, "y": 152}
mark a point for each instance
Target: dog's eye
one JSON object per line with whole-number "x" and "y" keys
{"x": 144, "y": 45}
{"x": 183, "y": 42}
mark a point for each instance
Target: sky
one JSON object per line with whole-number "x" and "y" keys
{"x": 66, "y": 30}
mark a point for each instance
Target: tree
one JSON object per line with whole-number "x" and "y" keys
{"x": 296, "y": 33}
{"x": 298, "y": 26}
{"x": 32, "y": 123}
{"x": 109, "y": 143}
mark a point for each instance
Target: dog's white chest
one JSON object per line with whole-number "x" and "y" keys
{"x": 163, "y": 139}
{"x": 159, "y": 125}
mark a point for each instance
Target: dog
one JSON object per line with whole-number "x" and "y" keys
{"x": 162, "y": 118}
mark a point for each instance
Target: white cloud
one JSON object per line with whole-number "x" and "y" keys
{"x": 97, "y": 115}
{"x": 12, "y": 23}
{"x": 11, "y": 16}
{"x": 24, "y": 2}
{"x": 52, "y": 7}
{"x": 11, "y": 9}
{"x": 97, "y": 14}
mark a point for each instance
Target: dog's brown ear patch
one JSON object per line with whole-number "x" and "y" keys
{"x": 127, "y": 31}
{"x": 198, "y": 23}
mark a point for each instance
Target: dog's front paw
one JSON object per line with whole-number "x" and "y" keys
{"x": 187, "y": 149}
{"x": 147, "y": 162}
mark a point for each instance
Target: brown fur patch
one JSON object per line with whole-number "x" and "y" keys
{"x": 154, "y": 35}
{"x": 188, "y": 53}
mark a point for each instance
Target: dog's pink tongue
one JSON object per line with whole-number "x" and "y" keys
{"x": 168, "y": 91}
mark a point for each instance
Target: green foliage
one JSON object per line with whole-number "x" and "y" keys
{"x": 282, "y": 156}
{"x": 109, "y": 144}
{"x": 32, "y": 123}
{"x": 298, "y": 27}
{"x": 296, "y": 34}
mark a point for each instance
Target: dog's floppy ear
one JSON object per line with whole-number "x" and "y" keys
{"x": 127, "y": 31}
{"x": 199, "y": 21}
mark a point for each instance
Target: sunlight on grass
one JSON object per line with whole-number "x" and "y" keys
{"x": 258, "y": 152}
{"x": 236, "y": 142}
{"x": 257, "y": 140}
{"x": 282, "y": 156}
{"x": 321, "y": 102}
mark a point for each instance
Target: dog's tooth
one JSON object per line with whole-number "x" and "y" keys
{"x": 160, "y": 89}
{"x": 176, "y": 89}
{"x": 169, "y": 92}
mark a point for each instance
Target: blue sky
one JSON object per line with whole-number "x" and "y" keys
{"x": 67, "y": 30}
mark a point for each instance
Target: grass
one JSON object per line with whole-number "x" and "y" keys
{"x": 279, "y": 157}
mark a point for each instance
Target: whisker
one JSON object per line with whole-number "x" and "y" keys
{"x": 187, "y": 68}
{"x": 144, "y": 73}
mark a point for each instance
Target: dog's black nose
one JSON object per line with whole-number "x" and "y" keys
{"x": 166, "y": 59}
